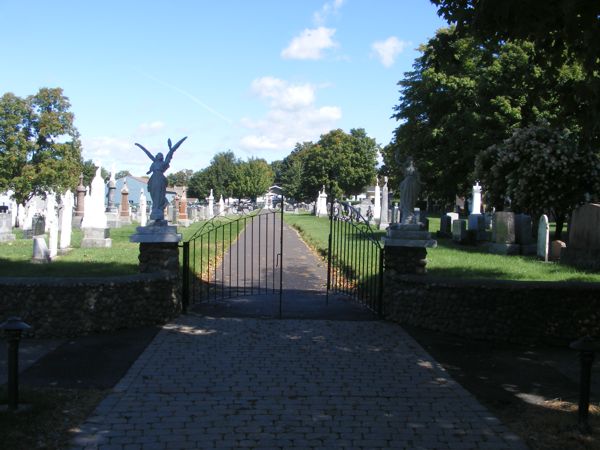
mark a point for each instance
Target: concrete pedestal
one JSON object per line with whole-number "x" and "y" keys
{"x": 406, "y": 249}
{"x": 159, "y": 249}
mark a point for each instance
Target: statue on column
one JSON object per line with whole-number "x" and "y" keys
{"x": 157, "y": 185}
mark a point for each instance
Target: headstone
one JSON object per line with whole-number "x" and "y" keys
{"x": 110, "y": 196}
{"x": 41, "y": 254}
{"x": 6, "y": 233}
{"x": 556, "y": 249}
{"x": 52, "y": 236}
{"x": 523, "y": 229}
{"x": 183, "y": 218}
{"x": 79, "y": 202}
{"x": 50, "y": 208}
{"x": 503, "y": 228}
{"x": 383, "y": 221}
{"x": 38, "y": 225}
{"x": 377, "y": 201}
{"x": 395, "y": 213}
{"x": 543, "y": 237}
{"x": 459, "y": 231}
{"x": 445, "y": 226}
{"x": 321, "y": 209}
{"x": 66, "y": 220}
{"x": 583, "y": 250}
{"x": 124, "y": 215}
{"x": 476, "y": 199}
{"x": 210, "y": 208}
{"x": 94, "y": 224}
{"x": 143, "y": 209}
{"x": 221, "y": 205}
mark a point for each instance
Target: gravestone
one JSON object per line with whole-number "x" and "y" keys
{"x": 445, "y": 226}
{"x": 384, "y": 220}
{"x": 52, "y": 236}
{"x": 124, "y": 214}
{"x": 321, "y": 206}
{"x": 459, "y": 231}
{"x": 38, "y": 225}
{"x": 210, "y": 209}
{"x": 41, "y": 254}
{"x": 543, "y": 238}
{"x": 556, "y": 250}
{"x": 6, "y": 233}
{"x": 66, "y": 220}
{"x": 221, "y": 205}
{"x": 143, "y": 209}
{"x": 524, "y": 234}
{"x": 94, "y": 224}
{"x": 80, "y": 194}
{"x": 503, "y": 234}
{"x": 182, "y": 218}
{"x": 583, "y": 250}
{"x": 377, "y": 201}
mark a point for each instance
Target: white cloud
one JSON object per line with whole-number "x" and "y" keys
{"x": 292, "y": 117}
{"x": 310, "y": 44}
{"x": 120, "y": 152}
{"x": 329, "y": 7}
{"x": 150, "y": 128}
{"x": 388, "y": 50}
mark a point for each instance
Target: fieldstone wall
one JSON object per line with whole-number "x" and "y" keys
{"x": 511, "y": 311}
{"x": 65, "y": 307}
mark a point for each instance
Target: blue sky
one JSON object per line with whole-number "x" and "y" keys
{"x": 251, "y": 76}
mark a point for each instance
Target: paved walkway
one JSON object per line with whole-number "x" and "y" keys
{"x": 231, "y": 381}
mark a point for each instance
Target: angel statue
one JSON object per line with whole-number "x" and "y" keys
{"x": 157, "y": 184}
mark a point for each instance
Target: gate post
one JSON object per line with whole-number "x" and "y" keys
{"x": 329, "y": 240}
{"x": 185, "y": 279}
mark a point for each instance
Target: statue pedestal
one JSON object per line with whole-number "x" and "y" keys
{"x": 159, "y": 250}
{"x": 405, "y": 249}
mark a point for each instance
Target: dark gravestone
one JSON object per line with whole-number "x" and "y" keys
{"x": 445, "y": 225}
{"x": 38, "y": 225}
{"x": 583, "y": 248}
{"x": 503, "y": 234}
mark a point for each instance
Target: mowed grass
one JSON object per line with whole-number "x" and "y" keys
{"x": 120, "y": 259}
{"x": 456, "y": 261}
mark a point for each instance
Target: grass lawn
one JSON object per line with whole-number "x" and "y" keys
{"x": 458, "y": 261}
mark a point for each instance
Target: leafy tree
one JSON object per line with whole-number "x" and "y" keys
{"x": 88, "y": 169}
{"x": 344, "y": 161}
{"x": 292, "y": 171}
{"x": 180, "y": 178}
{"x": 277, "y": 168}
{"x": 220, "y": 176}
{"x": 254, "y": 177}
{"x": 123, "y": 174}
{"x": 464, "y": 96}
{"x": 39, "y": 144}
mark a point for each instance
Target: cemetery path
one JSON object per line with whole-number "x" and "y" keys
{"x": 304, "y": 286}
{"x": 233, "y": 383}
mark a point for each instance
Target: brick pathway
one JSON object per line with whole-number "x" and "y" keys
{"x": 289, "y": 384}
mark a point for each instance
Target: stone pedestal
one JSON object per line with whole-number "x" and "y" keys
{"x": 159, "y": 250}
{"x": 406, "y": 249}
{"x": 96, "y": 237}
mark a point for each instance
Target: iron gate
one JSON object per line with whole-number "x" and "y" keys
{"x": 232, "y": 256}
{"x": 354, "y": 258}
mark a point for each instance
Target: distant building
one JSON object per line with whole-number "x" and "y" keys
{"x": 135, "y": 185}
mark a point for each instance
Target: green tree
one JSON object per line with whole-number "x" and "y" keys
{"x": 180, "y": 178}
{"x": 39, "y": 144}
{"x": 220, "y": 176}
{"x": 541, "y": 169}
{"x": 122, "y": 174}
{"x": 88, "y": 169}
{"x": 345, "y": 162}
{"x": 292, "y": 172}
{"x": 254, "y": 177}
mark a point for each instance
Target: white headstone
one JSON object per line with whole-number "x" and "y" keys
{"x": 476, "y": 199}
{"x": 40, "y": 249}
{"x": 52, "y": 223}
{"x": 211, "y": 206}
{"x": 50, "y": 209}
{"x": 143, "y": 206}
{"x": 221, "y": 205}
{"x": 68, "y": 201}
{"x": 94, "y": 216}
{"x": 383, "y": 222}
{"x": 21, "y": 215}
{"x": 377, "y": 206}
{"x": 543, "y": 237}
{"x": 321, "y": 209}
{"x": 28, "y": 221}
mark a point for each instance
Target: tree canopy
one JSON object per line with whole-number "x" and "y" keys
{"x": 39, "y": 144}
{"x": 220, "y": 176}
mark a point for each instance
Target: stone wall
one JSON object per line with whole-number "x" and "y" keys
{"x": 66, "y": 307}
{"x": 511, "y": 311}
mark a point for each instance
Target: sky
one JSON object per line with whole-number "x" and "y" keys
{"x": 255, "y": 77}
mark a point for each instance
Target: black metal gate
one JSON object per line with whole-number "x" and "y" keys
{"x": 232, "y": 256}
{"x": 354, "y": 258}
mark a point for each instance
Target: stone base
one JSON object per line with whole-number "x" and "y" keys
{"x": 6, "y": 237}
{"x": 156, "y": 233}
{"x": 159, "y": 257}
{"x": 76, "y": 223}
{"x": 125, "y": 220}
{"x": 184, "y": 222}
{"x": 408, "y": 235}
{"x": 405, "y": 260}
{"x": 112, "y": 220}
{"x": 96, "y": 238}
{"x": 502, "y": 249}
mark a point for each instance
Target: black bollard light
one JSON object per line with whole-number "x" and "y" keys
{"x": 586, "y": 347}
{"x": 13, "y": 328}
